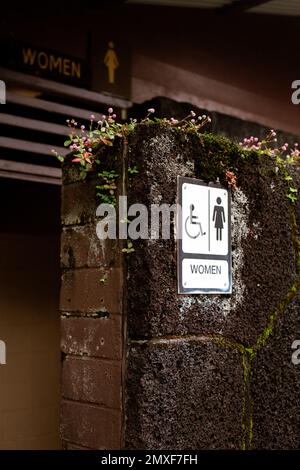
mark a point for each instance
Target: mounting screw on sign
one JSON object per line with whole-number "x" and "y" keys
{"x": 204, "y": 249}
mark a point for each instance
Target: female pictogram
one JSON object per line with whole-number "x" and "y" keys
{"x": 219, "y": 219}
{"x": 111, "y": 62}
{"x": 193, "y": 220}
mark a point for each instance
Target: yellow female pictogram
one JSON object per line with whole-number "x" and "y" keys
{"x": 111, "y": 61}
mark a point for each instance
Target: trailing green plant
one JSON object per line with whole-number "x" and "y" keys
{"x": 132, "y": 170}
{"x": 106, "y": 191}
{"x": 129, "y": 249}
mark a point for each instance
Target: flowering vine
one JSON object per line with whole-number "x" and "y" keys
{"x": 85, "y": 145}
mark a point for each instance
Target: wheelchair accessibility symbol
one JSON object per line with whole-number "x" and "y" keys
{"x": 192, "y": 226}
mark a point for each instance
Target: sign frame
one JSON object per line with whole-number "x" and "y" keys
{"x": 181, "y": 255}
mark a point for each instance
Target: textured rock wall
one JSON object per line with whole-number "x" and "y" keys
{"x": 210, "y": 371}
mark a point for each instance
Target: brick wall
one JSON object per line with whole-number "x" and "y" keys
{"x": 91, "y": 324}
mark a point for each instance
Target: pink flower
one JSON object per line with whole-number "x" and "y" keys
{"x": 192, "y": 113}
{"x": 92, "y": 116}
{"x": 110, "y": 110}
{"x": 151, "y": 110}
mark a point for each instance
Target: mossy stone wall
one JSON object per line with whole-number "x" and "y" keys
{"x": 213, "y": 371}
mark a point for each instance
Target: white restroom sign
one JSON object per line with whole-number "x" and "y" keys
{"x": 204, "y": 245}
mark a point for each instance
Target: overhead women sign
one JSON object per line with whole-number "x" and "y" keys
{"x": 46, "y": 63}
{"x": 106, "y": 68}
